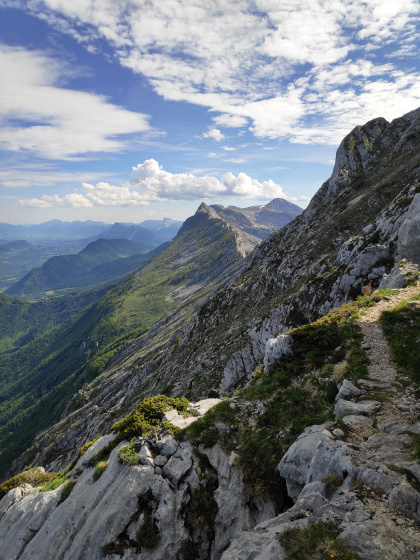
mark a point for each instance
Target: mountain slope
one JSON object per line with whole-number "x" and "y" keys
{"x": 21, "y": 257}
{"x": 83, "y": 269}
{"x": 345, "y": 240}
{"x": 38, "y": 380}
{"x": 318, "y": 448}
{"x": 22, "y": 321}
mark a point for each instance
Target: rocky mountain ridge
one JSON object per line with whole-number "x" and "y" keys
{"x": 260, "y": 221}
{"x": 148, "y": 307}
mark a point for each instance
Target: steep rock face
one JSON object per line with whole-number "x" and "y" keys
{"x": 169, "y": 492}
{"x": 344, "y": 241}
{"x": 409, "y": 233}
{"x": 325, "y": 476}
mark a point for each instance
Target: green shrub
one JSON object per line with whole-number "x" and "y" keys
{"x": 100, "y": 469}
{"x": 86, "y": 446}
{"x": 148, "y": 416}
{"x": 128, "y": 455}
{"x": 104, "y": 453}
{"x": 34, "y": 476}
{"x": 54, "y": 483}
{"x": 203, "y": 509}
{"x": 317, "y": 541}
{"x": 68, "y": 487}
{"x": 113, "y": 548}
{"x": 401, "y": 327}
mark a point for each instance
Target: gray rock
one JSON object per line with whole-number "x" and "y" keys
{"x": 14, "y": 496}
{"x": 170, "y": 447}
{"x": 395, "y": 280}
{"x": 406, "y": 500}
{"x": 179, "y": 464}
{"x": 352, "y": 419}
{"x": 347, "y": 389}
{"x": 203, "y": 406}
{"x": 277, "y": 347}
{"x": 236, "y": 509}
{"x": 337, "y": 432}
{"x": 161, "y": 460}
{"x": 146, "y": 457}
{"x": 313, "y": 457}
{"x": 409, "y": 233}
{"x": 344, "y": 408}
{"x": 373, "y": 384}
{"x": 386, "y": 448}
{"x": 400, "y": 427}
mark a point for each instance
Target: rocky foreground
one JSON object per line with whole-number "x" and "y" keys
{"x": 356, "y": 472}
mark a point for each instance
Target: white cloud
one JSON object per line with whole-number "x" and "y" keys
{"x": 73, "y": 200}
{"x": 239, "y": 58}
{"x": 232, "y": 121}
{"x": 235, "y": 160}
{"x": 215, "y": 134}
{"x": 150, "y": 183}
{"x": 228, "y": 148}
{"x": 43, "y": 175}
{"x": 38, "y": 116}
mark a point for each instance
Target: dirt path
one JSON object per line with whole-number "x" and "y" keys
{"x": 401, "y": 404}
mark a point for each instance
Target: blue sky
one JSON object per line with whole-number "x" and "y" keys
{"x": 124, "y": 110}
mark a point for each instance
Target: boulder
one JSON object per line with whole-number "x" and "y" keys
{"x": 359, "y": 420}
{"x": 409, "y": 233}
{"x": 275, "y": 348}
{"x": 344, "y": 408}
{"x": 347, "y": 389}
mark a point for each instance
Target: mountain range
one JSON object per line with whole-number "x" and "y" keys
{"x": 41, "y": 242}
{"x": 101, "y": 261}
{"x": 264, "y": 333}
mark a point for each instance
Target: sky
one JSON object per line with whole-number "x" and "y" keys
{"x": 126, "y": 110}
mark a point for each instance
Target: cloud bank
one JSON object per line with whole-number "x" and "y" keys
{"x": 306, "y": 71}
{"x": 149, "y": 182}
{"x": 53, "y": 122}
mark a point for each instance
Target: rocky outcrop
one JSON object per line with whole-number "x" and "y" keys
{"x": 178, "y": 499}
{"x": 409, "y": 233}
{"x": 375, "y": 508}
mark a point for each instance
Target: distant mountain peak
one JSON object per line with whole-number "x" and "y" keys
{"x": 205, "y": 209}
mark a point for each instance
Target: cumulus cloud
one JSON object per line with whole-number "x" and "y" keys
{"x": 149, "y": 182}
{"x": 239, "y": 60}
{"x": 215, "y": 134}
{"x": 53, "y": 122}
{"x": 232, "y": 121}
{"x": 73, "y": 200}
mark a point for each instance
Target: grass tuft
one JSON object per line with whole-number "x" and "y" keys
{"x": 100, "y": 469}
{"x": 401, "y": 327}
{"x": 316, "y": 542}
